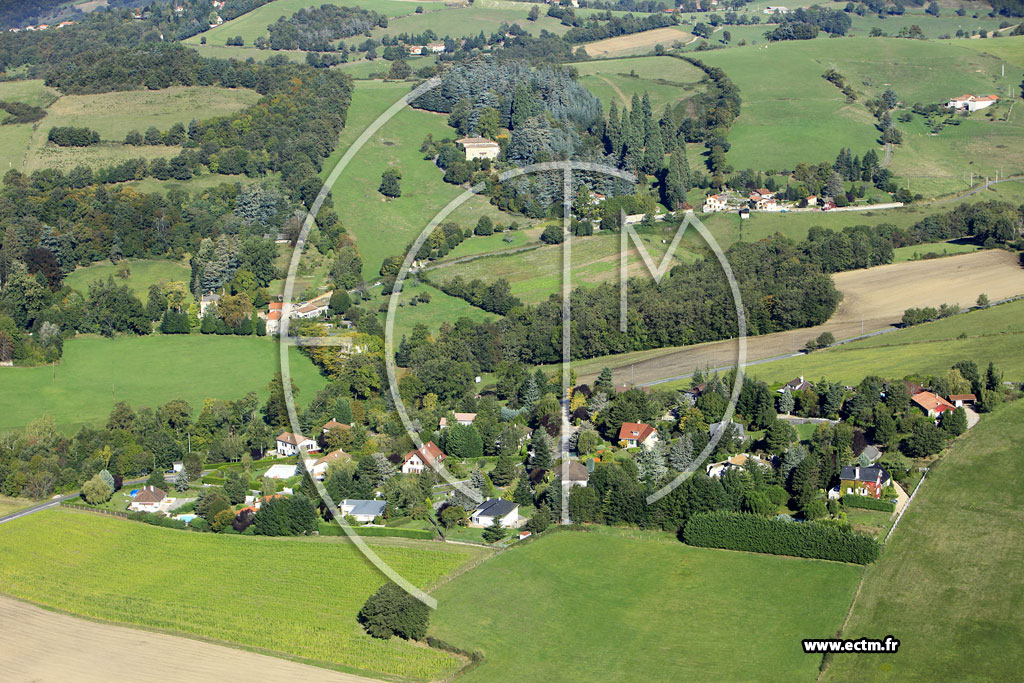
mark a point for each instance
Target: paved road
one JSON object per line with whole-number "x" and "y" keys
{"x": 978, "y": 189}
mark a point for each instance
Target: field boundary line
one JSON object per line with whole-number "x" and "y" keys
{"x": 212, "y": 641}
{"x": 904, "y": 510}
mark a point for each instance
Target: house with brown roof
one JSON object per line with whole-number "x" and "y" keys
{"x": 418, "y": 459}
{"x": 149, "y": 499}
{"x": 318, "y": 466}
{"x": 961, "y": 400}
{"x": 334, "y": 424}
{"x": 795, "y": 384}
{"x": 634, "y": 434}
{"x": 863, "y": 481}
{"x": 933, "y": 405}
{"x": 292, "y": 444}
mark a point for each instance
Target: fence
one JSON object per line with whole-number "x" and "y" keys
{"x": 90, "y": 508}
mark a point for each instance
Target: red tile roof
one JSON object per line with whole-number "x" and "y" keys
{"x": 428, "y": 453}
{"x": 932, "y": 402}
{"x": 635, "y": 430}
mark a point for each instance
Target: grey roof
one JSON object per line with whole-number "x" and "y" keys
{"x": 573, "y": 470}
{"x": 738, "y": 432}
{"x": 849, "y": 473}
{"x": 495, "y": 507}
{"x": 366, "y": 507}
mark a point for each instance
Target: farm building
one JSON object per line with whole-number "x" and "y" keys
{"x": 419, "y": 459}
{"x": 863, "y": 481}
{"x": 363, "y": 510}
{"x": 479, "y": 148}
{"x": 634, "y": 434}
{"x": 961, "y": 400}
{"x": 972, "y": 103}
{"x": 504, "y": 511}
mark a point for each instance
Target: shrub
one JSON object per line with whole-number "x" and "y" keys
{"x": 740, "y": 531}
{"x": 866, "y": 503}
{"x": 71, "y": 136}
{"x": 393, "y": 612}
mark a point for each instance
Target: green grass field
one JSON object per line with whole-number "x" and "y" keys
{"x": 252, "y": 25}
{"x": 666, "y": 80}
{"x": 537, "y": 274}
{"x": 441, "y": 308}
{"x": 913, "y": 253}
{"x": 32, "y": 92}
{"x": 9, "y": 505}
{"x": 299, "y": 598}
{"x": 95, "y": 373}
{"x": 112, "y": 115}
{"x": 601, "y": 606}
{"x": 385, "y": 228}
{"x": 949, "y": 584}
{"x": 144, "y": 272}
{"x": 469, "y": 20}
{"x": 994, "y": 335}
{"x": 800, "y": 117}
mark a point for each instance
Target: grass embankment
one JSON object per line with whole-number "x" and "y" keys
{"x": 949, "y": 584}
{"x": 602, "y": 606}
{"x": 95, "y": 373}
{"x": 291, "y": 596}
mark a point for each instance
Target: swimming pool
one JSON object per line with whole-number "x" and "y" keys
{"x": 133, "y": 492}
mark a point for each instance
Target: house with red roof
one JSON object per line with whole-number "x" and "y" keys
{"x": 933, "y": 405}
{"x": 972, "y": 103}
{"x": 634, "y": 434}
{"x": 418, "y": 459}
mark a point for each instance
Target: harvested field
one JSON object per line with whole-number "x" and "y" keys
{"x": 79, "y": 650}
{"x": 637, "y": 42}
{"x": 873, "y": 299}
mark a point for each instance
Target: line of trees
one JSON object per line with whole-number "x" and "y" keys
{"x": 73, "y": 136}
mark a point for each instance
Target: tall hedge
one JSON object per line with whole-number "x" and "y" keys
{"x": 741, "y": 531}
{"x": 866, "y": 503}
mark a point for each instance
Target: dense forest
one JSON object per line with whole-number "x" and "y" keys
{"x": 315, "y": 28}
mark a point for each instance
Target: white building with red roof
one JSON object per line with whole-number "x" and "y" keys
{"x": 421, "y": 458}
{"x": 932, "y": 404}
{"x": 714, "y": 202}
{"x": 635, "y": 434}
{"x": 972, "y": 103}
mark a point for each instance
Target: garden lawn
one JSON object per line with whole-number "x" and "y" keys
{"x": 912, "y": 253}
{"x": 95, "y": 373}
{"x": 949, "y": 584}
{"x": 300, "y": 599}
{"x": 144, "y": 272}
{"x": 595, "y": 606}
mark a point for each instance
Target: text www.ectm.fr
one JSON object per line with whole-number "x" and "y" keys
{"x": 887, "y": 645}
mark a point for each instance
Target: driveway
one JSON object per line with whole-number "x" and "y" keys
{"x": 972, "y": 417}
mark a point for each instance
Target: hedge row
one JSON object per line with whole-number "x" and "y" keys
{"x": 867, "y": 503}
{"x": 742, "y": 531}
{"x": 331, "y": 529}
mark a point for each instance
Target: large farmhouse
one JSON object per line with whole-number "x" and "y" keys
{"x": 972, "y": 103}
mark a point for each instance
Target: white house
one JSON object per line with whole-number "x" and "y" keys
{"x": 636, "y": 434}
{"x": 772, "y": 10}
{"x": 464, "y": 419}
{"x": 735, "y": 462}
{"x": 318, "y": 466}
{"x": 713, "y": 203}
{"x": 421, "y": 458}
{"x": 972, "y": 103}
{"x": 479, "y": 148}
{"x": 363, "y": 510}
{"x": 149, "y": 499}
{"x": 435, "y": 48}
{"x": 292, "y": 444}
{"x": 207, "y": 301}
{"x": 764, "y": 200}
{"x": 414, "y": 49}
{"x": 281, "y": 472}
{"x": 505, "y": 511}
